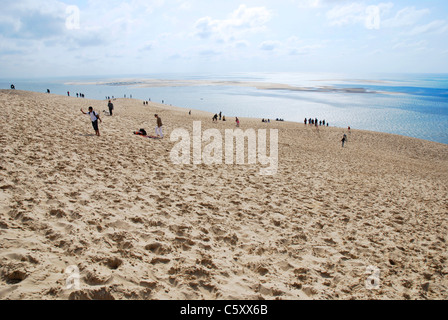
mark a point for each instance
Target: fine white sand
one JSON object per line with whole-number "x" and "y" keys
{"x": 139, "y": 227}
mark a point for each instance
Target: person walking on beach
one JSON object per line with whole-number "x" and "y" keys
{"x": 237, "y": 122}
{"x": 344, "y": 140}
{"x": 94, "y": 116}
{"x": 215, "y": 118}
{"x": 159, "y": 131}
{"x": 111, "y": 108}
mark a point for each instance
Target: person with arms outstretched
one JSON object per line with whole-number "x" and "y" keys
{"x": 94, "y": 116}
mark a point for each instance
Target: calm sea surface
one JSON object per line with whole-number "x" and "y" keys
{"x": 414, "y": 105}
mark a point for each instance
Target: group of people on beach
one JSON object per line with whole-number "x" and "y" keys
{"x": 215, "y": 117}
{"x": 95, "y": 117}
{"x": 316, "y": 122}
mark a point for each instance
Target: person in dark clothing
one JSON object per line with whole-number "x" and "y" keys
{"x": 344, "y": 140}
{"x": 111, "y": 108}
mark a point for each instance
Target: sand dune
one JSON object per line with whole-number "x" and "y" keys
{"x": 139, "y": 227}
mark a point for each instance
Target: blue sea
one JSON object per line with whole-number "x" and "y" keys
{"x": 414, "y": 105}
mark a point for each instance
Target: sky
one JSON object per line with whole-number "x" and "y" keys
{"x": 67, "y": 38}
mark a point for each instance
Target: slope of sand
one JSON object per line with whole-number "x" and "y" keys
{"x": 139, "y": 227}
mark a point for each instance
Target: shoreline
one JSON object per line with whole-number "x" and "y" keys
{"x": 273, "y": 121}
{"x": 155, "y": 83}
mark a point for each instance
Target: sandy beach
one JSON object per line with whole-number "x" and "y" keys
{"x": 138, "y": 226}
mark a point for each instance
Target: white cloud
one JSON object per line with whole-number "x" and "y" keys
{"x": 405, "y": 17}
{"x": 309, "y": 3}
{"x": 270, "y": 45}
{"x": 420, "y": 45}
{"x": 436, "y": 27}
{"x": 358, "y": 13}
{"x": 242, "y": 21}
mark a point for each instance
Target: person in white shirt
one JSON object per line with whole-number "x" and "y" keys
{"x": 94, "y": 116}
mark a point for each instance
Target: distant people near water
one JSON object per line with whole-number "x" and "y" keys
{"x": 77, "y": 95}
{"x": 237, "y": 122}
{"x": 159, "y": 128}
{"x": 111, "y": 108}
{"x": 48, "y": 90}
{"x": 68, "y": 93}
{"x": 215, "y": 118}
{"x": 13, "y": 87}
{"x": 94, "y": 116}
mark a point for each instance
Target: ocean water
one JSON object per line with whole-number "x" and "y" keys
{"x": 414, "y": 105}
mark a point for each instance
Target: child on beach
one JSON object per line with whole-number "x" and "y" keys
{"x": 94, "y": 116}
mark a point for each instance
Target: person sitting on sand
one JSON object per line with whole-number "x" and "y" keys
{"x": 94, "y": 116}
{"x": 159, "y": 131}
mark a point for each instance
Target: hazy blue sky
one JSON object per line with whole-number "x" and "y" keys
{"x": 99, "y": 37}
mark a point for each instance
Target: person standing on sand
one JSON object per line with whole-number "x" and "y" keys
{"x": 94, "y": 116}
{"x": 237, "y": 122}
{"x": 111, "y": 108}
{"x": 344, "y": 140}
{"x": 159, "y": 131}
